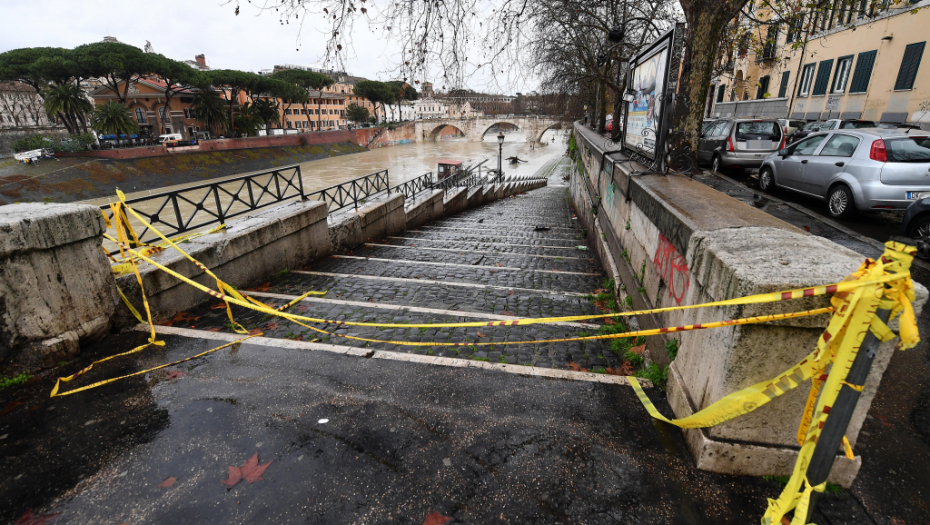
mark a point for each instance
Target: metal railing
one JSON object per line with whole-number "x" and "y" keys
{"x": 414, "y": 186}
{"x": 352, "y": 192}
{"x": 188, "y": 209}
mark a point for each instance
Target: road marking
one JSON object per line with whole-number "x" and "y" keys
{"x": 456, "y": 265}
{"x": 528, "y": 371}
{"x": 564, "y": 239}
{"x": 415, "y": 309}
{"x": 475, "y": 251}
{"x": 441, "y": 283}
{"x": 488, "y": 243}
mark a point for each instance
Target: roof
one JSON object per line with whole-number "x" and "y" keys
{"x": 451, "y": 162}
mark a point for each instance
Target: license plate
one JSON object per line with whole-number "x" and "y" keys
{"x": 915, "y": 195}
{"x": 758, "y": 144}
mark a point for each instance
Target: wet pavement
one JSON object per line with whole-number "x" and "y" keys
{"x": 360, "y": 437}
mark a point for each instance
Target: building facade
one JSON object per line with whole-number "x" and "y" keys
{"x": 429, "y": 107}
{"x": 148, "y": 104}
{"x": 22, "y": 108}
{"x": 861, "y": 62}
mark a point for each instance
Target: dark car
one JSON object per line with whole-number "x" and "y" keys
{"x": 800, "y": 133}
{"x": 916, "y": 225}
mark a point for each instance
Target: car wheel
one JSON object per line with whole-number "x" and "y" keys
{"x": 840, "y": 202}
{"x": 715, "y": 164}
{"x": 766, "y": 179}
{"x": 920, "y": 231}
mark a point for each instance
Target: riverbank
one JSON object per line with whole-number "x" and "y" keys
{"x": 75, "y": 179}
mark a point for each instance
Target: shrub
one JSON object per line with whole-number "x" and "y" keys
{"x": 79, "y": 142}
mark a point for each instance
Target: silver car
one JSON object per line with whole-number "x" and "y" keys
{"x": 739, "y": 142}
{"x": 854, "y": 169}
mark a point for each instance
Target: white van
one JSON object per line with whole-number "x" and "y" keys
{"x": 169, "y": 137}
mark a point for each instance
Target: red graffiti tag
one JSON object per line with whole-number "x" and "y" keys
{"x": 672, "y": 268}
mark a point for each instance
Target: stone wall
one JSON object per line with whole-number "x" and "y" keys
{"x": 676, "y": 242}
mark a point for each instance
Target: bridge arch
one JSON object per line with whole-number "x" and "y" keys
{"x": 495, "y": 123}
{"x": 434, "y": 133}
{"x": 557, "y": 125}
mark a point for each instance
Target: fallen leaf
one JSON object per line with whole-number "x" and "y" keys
{"x": 600, "y": 291}
{"x": 214, "y": 329}
{"x": 435, "y": 518}
{"x": 270, "y": 326}
{"x": 639, "y": 349}
{"x": 218, "y": 306}
{"x": 181, "y": 317}
{"x": 575, "y": 367}
{"x": 174, "y": 374}
{"x": 511, "y": 292}
{"x": 413, "y": 245}
{"x": 884, "y": 421}
{"x": 168, "y": 482}
{"x": 31, "y": 519}
{"x": 262, "y": 288}
{"x": 481, "y": 335}
{"x": 250, "y": 471}
{"x": 499, "y": 265}
{"x": 11, "y": 407}
{"x": 807, "y": 228}
{"x": 507, "y": 312}
{"x": 608, "y": 320}
{"x": 255, "y": 331}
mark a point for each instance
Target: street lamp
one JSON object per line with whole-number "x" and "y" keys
{"x": 500, "y": 155}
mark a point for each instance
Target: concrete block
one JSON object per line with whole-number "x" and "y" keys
{"x": 475, "y": 197}
{"x": 455, "y": 201}
{"x": 381, "y": 218}
{"x": 248, "y": 251}
{"x": 345, "y": 232}
{"x": 424, "y": 209}
{"x": 56, "y": 287}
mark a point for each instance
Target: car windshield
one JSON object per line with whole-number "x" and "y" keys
{"x": 910, "y": 149}
{"x": 761, "y": 130}
{"x": 812, "y": 125}
{"x": 796, "y": 123}
{"x": 857, "y": 124}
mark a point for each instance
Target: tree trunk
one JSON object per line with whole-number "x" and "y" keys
{"x": 707, "y": 20}
{"x": 64, "y": 120}
{"x": 602, "y": 110}
{"x": 319, "y": 112}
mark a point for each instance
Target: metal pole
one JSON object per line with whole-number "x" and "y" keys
{"x": 500, "y": 155}
{"x": 841, "y": 412}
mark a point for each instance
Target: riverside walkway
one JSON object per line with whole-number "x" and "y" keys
{"x": 361, "y": 432}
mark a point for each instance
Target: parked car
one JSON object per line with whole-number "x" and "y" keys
{"x": 853, "y": 169}
{"x": 740, "y": 143}
{"x": 169, "y": 137}
{"x": 706, "y": 124}
{"x": 842, "y": 123}
{"x": 810, "y": 127}
{"x": 789, "y": 126}
{"x": 916, "y": 225}
{"x": 889, "y": 125}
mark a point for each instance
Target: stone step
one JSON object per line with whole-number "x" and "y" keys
{"x": 503, "y": 247}
{"x": 467, "y": 258}
{"x": 517, "y": 250}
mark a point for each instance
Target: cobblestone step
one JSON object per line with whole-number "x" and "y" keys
{"x": 504, "y": 247}
{"x": 488, "y": 259}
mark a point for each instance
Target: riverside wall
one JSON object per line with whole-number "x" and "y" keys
{"x": 671, "y": 241}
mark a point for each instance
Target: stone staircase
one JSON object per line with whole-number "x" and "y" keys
{"x": 492, "y": 262}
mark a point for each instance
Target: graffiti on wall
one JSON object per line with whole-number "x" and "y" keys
{"x": 672, "y": 268}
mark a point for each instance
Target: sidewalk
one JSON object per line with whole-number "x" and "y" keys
{"x": 361, "y": 432}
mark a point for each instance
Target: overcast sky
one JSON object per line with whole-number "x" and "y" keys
{"x": 180, "y": 29}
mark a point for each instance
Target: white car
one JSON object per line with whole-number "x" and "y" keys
{"x": 169, "y": 137}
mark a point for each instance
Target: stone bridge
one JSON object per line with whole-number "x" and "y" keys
{"x": 533, "y": 126}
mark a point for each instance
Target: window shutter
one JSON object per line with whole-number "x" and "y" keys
{"x": 721, "y": 90}
{"x": 801, "y": 80}
{"x": 860, "y": 81}
{"x": 823, "y": 77}
{"x": 783, "y": 88}
{"x": 909, "y": 64}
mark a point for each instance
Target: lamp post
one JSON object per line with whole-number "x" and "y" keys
{"x": 500, "y": 156}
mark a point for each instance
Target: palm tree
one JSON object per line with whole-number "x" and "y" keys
{"x": 267, "y": 112}
{"x": 113, "y": 118}
{"x": 247, "y": 119}
{"x": 69, "y": 103}
{"x": 210, "y": 110}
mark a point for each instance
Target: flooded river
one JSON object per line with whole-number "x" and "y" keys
{"x": 404, "y": 162}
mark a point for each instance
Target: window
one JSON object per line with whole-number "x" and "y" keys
{"x": 911, "y": 149}
{"x": 161, "y": 113}
{"x": 771, "y": 42}
{"x": 863, "y": 73}
{"x": 763, "y": 87}
{"x": 187, "y": 112}
{"x": 843, "y": 66}
{"x": 140, "y": 116}
{"x": 807, "y": 146}
{"x": 909, "y": 64}
{"x": 289, "y": 125}
{"x": 287, "y": 111}
{"x": 761, "y": 130}
{"x": 721, "y": 91}
{"x": 823, "y": 77}
{"x": 783, "y": 88}
{"x": 840, "y": 146}
{"x": 807, "y": 75}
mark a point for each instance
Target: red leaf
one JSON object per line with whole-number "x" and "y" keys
{"x": 511, "y": 292}
{"x": 508, "y": 312}
{"x": 218, "y": 306}
{"x": 435, "y": 518}
{"x": 255, "y": 331}
{"x": 213, "y": 329}
{"x": 575, "y": 367}
{"x": 250, "y": 471}
{"x": 639, "y": 349}
{"x": 168, "y": 482}
{"x": 181, "y": 317}
{"x": 174, "y": 374}
{"x": 261, "y": 288}
{"x": 31, "y": 519}
{"x": 270, "y": 326}
{"x": 608, "y": 320}
{"x": 499, "y": 265}
{"x": 481, "y": 335}
{"x": 807, "y": 228}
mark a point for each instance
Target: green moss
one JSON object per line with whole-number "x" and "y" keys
{"x": 15, "y": 380}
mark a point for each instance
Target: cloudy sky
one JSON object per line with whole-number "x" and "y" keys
{"x": 181, "y": 29}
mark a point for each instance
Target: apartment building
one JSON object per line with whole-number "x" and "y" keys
{"x": 847, "y": 60}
